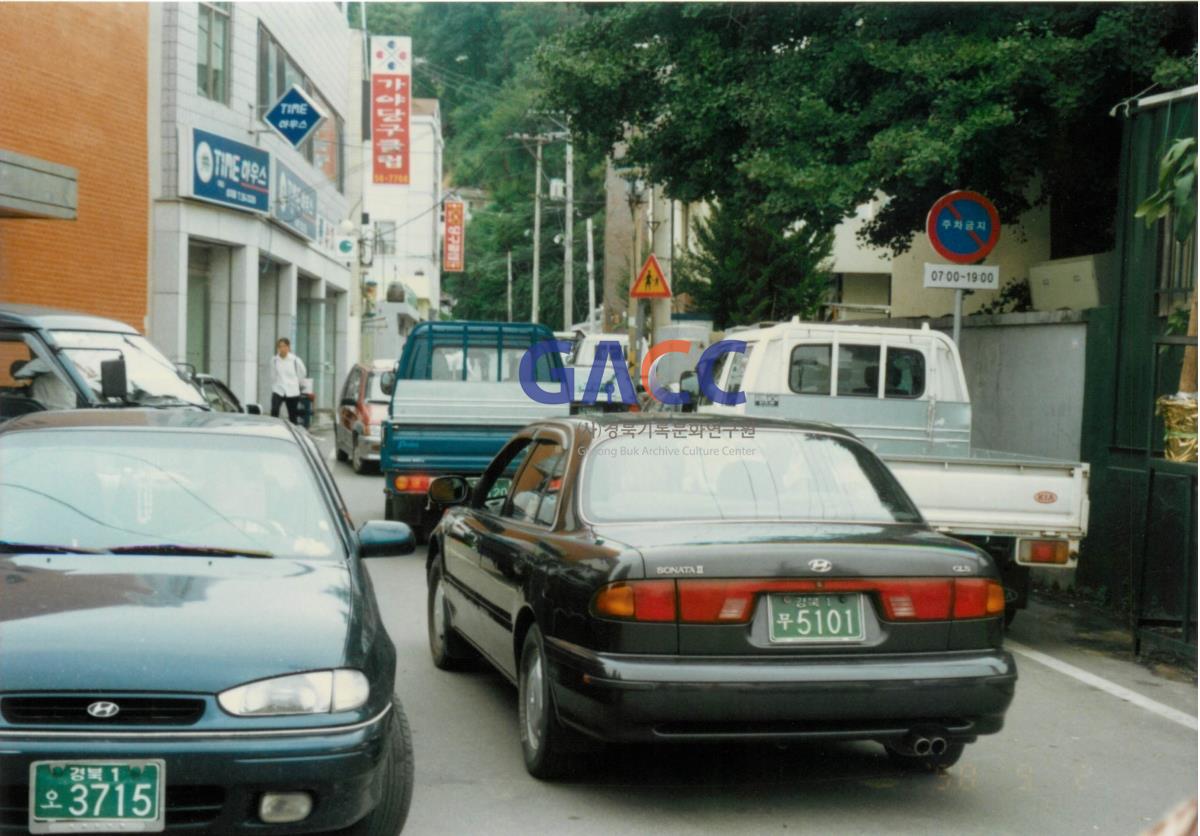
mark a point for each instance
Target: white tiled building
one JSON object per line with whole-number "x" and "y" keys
{"x": 244, "y": 225}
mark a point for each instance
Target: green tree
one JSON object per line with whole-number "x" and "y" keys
{"x": 747, "y": 268}
{"x": 821, "y": 106}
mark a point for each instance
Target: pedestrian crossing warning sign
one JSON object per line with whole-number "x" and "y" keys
{"x": 651, "y": 283}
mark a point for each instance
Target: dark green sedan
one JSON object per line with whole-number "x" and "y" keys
{"x": 188, "y": 639}
{"x": 670, "y": 578}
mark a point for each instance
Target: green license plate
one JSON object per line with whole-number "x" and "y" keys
{"x": 95, "y": 796}
{"x": 813, "y": 618}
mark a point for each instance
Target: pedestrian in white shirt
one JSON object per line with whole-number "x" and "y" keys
{"x": 287, "y": 370}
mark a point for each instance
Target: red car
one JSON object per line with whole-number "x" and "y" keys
{"x": 362, "y": 409}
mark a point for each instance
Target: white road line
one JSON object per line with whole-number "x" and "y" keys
{"x": 1118, "y": 691}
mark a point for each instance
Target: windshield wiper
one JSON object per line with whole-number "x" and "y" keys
{"x": 185, "y": 549}
{"x": 9, "y": 547}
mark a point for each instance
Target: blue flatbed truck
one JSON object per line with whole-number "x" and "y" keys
{"x": 456, "y": 398}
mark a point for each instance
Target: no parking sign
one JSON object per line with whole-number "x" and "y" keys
{"x": 963, "y": 227}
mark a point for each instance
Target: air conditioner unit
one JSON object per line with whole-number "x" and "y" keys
{"x": 1073, "y": 283}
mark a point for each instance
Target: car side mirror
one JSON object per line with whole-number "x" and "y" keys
{"x": 380, "y": 538}
{"x": 186, "y": 370}
{"x": 113, "y": 382}
{"x": 449, "y": 490}
{"x": 252, "y": 409}
{"x": 387, "y": 382}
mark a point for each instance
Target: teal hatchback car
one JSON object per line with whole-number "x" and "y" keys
{"x": 188, "y": 638}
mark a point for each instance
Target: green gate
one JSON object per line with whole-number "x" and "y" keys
{"x": 1141, "y": 545}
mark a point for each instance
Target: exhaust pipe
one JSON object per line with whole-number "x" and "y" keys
{"x": 917, "y": 744}
{"x": 937, "y": 745}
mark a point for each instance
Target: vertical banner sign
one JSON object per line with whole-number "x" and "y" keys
{"x": 453, "y": 238}
{"x": 391, "y": 109}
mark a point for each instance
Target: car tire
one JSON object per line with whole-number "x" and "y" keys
{"x": 927, "y": 763}
{"x": 356, "y": 460}
{"x": 341, "y": 454}
{"x": 548, "y": 746}
{"x": 449, "y": 650}
{"x": 388, "y": 817}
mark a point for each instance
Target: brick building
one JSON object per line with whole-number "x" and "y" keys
{"x": 74, "y": 198}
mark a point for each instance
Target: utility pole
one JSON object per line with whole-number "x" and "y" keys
{"x": 591, "y": 276}
{"x": 537, "y": 229}
{"x": 510, "y": 285}
{"x": 539, "y": 140}
{"x": 569, "y": 242}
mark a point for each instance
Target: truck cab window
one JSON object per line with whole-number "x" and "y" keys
{"x": 905, "y": 373}
{"x": 858, "y": 371}
{"x": 809, "y": 372}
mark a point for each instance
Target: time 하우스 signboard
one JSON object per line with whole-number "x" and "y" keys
{"x": 229, "y": 172}
{"x": 391, "y": 109}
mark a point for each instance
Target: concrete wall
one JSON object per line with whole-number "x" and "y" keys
{"x": 1025, "y": 373}
{"x": 73, "y": 92}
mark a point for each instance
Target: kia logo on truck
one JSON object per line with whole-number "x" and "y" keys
{"x": 1046, "y": 497}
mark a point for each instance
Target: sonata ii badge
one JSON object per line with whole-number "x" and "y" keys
{"x": 103, "y": 709}
{"x": 820, "y": 565}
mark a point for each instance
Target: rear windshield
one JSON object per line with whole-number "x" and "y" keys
{"x": 770, "y": 475}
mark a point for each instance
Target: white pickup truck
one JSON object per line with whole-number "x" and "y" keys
{"x": 902, "y": 391}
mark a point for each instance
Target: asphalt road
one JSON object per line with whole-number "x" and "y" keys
{"x": 1094, "y": 743}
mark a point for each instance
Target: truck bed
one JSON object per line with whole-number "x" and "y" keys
{"x": 444, "y": 427}
{"x": 992, "y": 493}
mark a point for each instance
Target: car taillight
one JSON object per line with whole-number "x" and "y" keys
{"x": 1044, "y": 551}
{"x": 412, "y": 484}
{"x": 732, "y": 601}
{"x": 977, "y": 598}
{"x": 637, "y": 600}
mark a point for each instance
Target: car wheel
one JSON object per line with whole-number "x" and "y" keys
{"x": 927, "y": 763}
{"x": 388, "y": 817}
{"x": 356, "y": 459}
{"x": 341, "y": 454}
{"x": 548, "y": 746}
{"x": 449, "y": 650}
